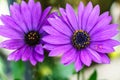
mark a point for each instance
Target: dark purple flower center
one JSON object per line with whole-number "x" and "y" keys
{"x": 32, "y": 38}
{"x": 80, "y": 39}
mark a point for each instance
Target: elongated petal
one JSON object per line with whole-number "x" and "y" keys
{"x": 36, "y": 15}
{"x": 52, "y": 31}
{"x": 9, "y": 22}
{"x": 85, "y": 58}
{"x": 86, "y": 14}
{"x": 33, "y": 60}
{"x": 78, "y": 63}
{"x": 56, "y": 39}
{"x": 27, "y": 54}
{"x": 105, "y": 59}
{"x": 10, "y": 33}
{"x": 101, "y": 24}
{"x": 39, "y": 49}
{"x": 91, "y": 22}
{"x": 94, "y": 55}
{"x": 68, "y": 57}
{"x": 80, "y": 13}
{"x": 60, "y": 50}
{"x": 104, "y": 46}
{"x": 50, "y": 46}
{"x": 60, "y": 26}
{"x": 12, "y": 44}
{"x": 16, "y": 15}
{"x": 26, "y": 14}
{"x": 17, "y": 54}
{"x": 71, "y": 16}
{"x": 39, "y": 57}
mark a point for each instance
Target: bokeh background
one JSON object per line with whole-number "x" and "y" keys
{"x": 51, "y": 69}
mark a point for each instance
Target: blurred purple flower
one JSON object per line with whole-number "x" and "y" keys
{"x": 83, "y": 38}
{"x": 23, "y": 27}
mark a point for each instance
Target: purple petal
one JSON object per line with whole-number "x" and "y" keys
{"x": 39, "y": 49}
{"x": 85, "y": 58}
{"x": 9, "y": 22}
{"x": 103, "y": 15}
{"x": 101, "y": 24}
{"x": 78, "y": 63}
{"x": 71, "y": 16}
{"x": 94, "y": 55}
{"x": 56, "y": 39}
{"x": 104, "y": 46}
{"x": 50, "y": 30}
{"x": 26, "y": 14}
{"x": 103, "y": 35}
{"x": 16, "y": 55}
{"x": 105, "y": 58}
{"x": 60, "y": 50}
{"x": 39, "y": 57}
{"x": 60, "y": 26}
{"x": 16, "y": 15}
{"x": 86, "y": 14}
{"x": 33, "y": 60}
{"x": 49, "y": 46}
{"x": 27, "y": 53}
{"x": 31, "y": 4}
{"x": 10, "y": 33}
{"x": 44, "y": 14}
{"x": 94, "y": 14}
{"x": 36, "y": 15}
{"x": 64, "y": 16}
{"x": 68, "y": 57}
{"x": 80, "y": 13}
{"x": 12, "y": 44}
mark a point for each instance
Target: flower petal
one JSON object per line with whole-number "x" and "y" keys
{"x": 49, "y": 46}
{"x": 16, "y": 55}
{"x": 12, "y": 44}
{"x": 94, "y": 55}
{"x": 39, "y": 49}
{"x": 71, "y": 16}
{"x": 16, "y": 15}
{"x": 44, "y": 14}
{"x": 105, "y": 58}
{"x": 60, "y": 26}
{"x": 101, "y": 24}
{"x": 85, "y": 58}
{"x": 56, "y": 39}
{"x": 91, "y": 22}
{"x": 39, "y": 57}
{"x": 68, "y": 57}
{"x": 26, "y": 14}
{"x": 78, "y": 63}
{"x": 36, "y": 15}
{"x": 27, "y": 53}
{"x": 50, "y": 30}
{"x": 80, "y": 13}
{"x": 86, "y": 14}
{"x": 104, "y": 46}
{"x": 33, "y": 60}
{"x": 9, "y": 22}
{"x": 10, "y": 33}
{"x": 60, "y": 50}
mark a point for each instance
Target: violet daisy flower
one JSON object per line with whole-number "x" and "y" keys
{"x": 81, "y": 38}
{"x": 23, "y": 28}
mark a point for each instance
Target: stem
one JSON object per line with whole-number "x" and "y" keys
{"x": 78, "y": 75}
{"x": 83, "y": 76}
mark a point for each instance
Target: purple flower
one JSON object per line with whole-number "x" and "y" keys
{"x": 23, "y": 28}
{"x": 81, "y": 38}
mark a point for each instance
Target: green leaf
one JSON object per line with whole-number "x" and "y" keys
{"x": 18, "y": 70}
{"x": 93, "y": 76}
